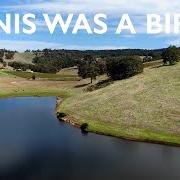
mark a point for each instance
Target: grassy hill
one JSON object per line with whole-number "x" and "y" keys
{"x": 25, "y": 57}
{"x": 145, "y": 107}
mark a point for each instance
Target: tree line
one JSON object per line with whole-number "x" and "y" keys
{"x": 121, "y": 67}
{"x": 117, "y": 64}
{"x": 116, "y": 67}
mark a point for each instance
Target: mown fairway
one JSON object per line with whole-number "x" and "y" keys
{"x": 144, "y": 107}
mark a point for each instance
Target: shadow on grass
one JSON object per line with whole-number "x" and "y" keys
{"x": 159, "y": 66}
{"x": 81, "y": 85}
{"x": 163, "y": 65}
{"x": 99, "y": 85}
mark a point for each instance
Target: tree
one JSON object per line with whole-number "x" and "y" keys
{"x": 88, "y": 68}
{"x": 92, "y": 71}
{"x": 171, "y": 55}
{"x": 102, "y": 68}
{"x": 121, "y": 68}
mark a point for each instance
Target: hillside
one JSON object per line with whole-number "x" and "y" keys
{"x": 22, "y": 57}
{"x": 145, "y": 107}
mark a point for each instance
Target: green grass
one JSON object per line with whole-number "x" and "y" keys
{"x": 63, "y": 93}
{"x": 3, "y": 73}
{"x": 13, "y": 86}
{"x": 45, "y": 76}
{"x": 145, "y": 107}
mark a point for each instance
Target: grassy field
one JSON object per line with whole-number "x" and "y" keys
{"x": 69, "y": 71}
{"x": 3, "y": 74}
{"x": 44, "y": 76}
{"x": 13, "y": 84}
{"x": 14, "y": 87}
{"x": 145, "y": 107}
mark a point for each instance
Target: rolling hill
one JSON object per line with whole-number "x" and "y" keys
{"x": 145, "y": 107}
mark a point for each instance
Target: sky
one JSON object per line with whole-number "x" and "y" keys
{"x": 137, "y": 10}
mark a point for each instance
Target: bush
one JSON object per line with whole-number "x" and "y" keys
{"x": 61, "y": 115}
{"x": 125, "y": 67}
{"x": 33, "y": 77}
{"x": 84, "y": 127}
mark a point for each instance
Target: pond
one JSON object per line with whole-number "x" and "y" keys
{"x": 34, "y": 145}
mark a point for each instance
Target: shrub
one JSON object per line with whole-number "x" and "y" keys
{"x": 33, "y": 77}
{"x": 125, "y": 67}
{"x": 84, "y": 127}
{"x": 61, "y": 115}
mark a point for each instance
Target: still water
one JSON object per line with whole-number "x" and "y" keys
{"x": 34, "y": 145}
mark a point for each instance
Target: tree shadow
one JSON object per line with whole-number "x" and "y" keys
{"x": 159, "y": 66}
{"x": 81, "y": 85}
{"x": 100, "y": 84}
{"x": 162, "y": 65}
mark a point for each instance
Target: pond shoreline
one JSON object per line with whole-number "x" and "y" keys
{"x": 70, "y": 120}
